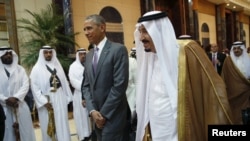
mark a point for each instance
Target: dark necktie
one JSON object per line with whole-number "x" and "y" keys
{"x": 95, "y": 59}
{"x": 7, "y": 72}
{"x": 214, "y": 60}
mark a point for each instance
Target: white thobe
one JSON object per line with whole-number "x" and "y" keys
{"x": 60, "y": 99}
{"x": 17, "y": 85}
{"x": 161, "y": 116}
{"x": 131, "y": 92}
{"x": 81, "y": 116}
{"x": 241, "y": 66}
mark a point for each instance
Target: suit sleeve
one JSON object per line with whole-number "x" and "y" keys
{"x": 85, "y": 89}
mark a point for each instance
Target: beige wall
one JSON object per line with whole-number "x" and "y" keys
{"x": 128, "y": 9}
{"x": 206, "y": 7}
{"x": 210, "y": 21}
{"x": 32, "y": 5}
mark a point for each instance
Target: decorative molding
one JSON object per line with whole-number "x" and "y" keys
{"x": 114, "y": 27}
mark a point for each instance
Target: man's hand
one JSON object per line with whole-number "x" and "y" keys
{"x": 98, "y": 119}
{"x": 84, "y": 103}
{"x": 217, "y": 62}
{"x": 12, "y": 102}
{"x": 48, "y": 106}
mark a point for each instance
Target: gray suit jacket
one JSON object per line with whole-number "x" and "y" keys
{"x": 106, "y": 91}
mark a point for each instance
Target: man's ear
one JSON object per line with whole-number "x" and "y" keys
{"x": 103, "y": 27}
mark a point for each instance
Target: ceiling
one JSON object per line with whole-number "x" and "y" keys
{"x": 235, "y": 5}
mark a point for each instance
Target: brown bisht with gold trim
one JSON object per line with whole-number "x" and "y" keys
{"x": 238, "y": 89}
{"x": 202, "y": 97}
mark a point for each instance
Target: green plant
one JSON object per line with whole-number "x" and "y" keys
{"x": 45, "y": 28}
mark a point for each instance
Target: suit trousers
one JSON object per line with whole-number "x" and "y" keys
{"x": 122, "y": 136}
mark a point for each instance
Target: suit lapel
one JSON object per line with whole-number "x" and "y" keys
{"x": 91, "y": 53}
{"x": 103, "y": 55}
{"x": 210, "y": 56}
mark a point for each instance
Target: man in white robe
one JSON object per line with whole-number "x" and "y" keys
{"x": 14, "y": 86}
{"x": 80, "y": 112}
{"x": 51, "y": 92}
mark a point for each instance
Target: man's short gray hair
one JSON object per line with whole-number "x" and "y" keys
{"x": 96, "y": 19}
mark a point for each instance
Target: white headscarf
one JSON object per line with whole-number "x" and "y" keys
{"x": 10, "y": 67}
{"x": 40, "y": 66}
{"x": 167, "y": 48}
{"x": 77, "y": 66}
{"x": 243, "y": 61}
{"x": 81, "y": 50}
{"x": 53, "y": 63}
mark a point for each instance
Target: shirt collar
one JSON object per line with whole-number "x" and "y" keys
{"x": 102, "y": 43}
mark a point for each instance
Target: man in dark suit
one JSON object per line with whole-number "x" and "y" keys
{"x": 216, "y": 57}
{"x": 104, "y": 86}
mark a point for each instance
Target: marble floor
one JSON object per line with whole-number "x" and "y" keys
{"x": 72, "y": 129}
{"x": 72, "y": 132}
